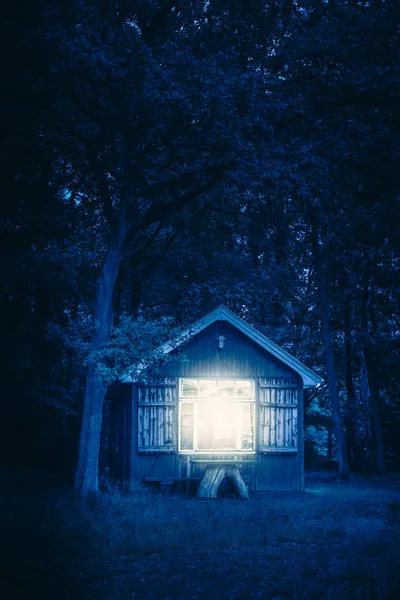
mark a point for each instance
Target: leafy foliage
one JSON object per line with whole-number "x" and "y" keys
{"x": 193, "y": 138}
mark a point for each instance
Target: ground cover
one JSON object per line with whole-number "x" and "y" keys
{"x": 335, "y": 541}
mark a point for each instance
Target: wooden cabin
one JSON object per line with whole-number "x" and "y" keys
{"x": 232, "y": 397}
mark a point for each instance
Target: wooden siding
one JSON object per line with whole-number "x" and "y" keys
{"x": 157, "y": 429}
{"x": 239, "y": 358}
{"x": 277, "y": 472}
{"x": 300, "y": 456}
{"x": 279, "y": 465}
{"x": 153, "y": 416}
{"x": 157, "y": 418}
{"x": 278, "y": 416}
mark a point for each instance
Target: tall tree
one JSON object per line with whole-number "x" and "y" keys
{"x": 166, "y": 130}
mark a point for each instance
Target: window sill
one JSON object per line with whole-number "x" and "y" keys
{"x": 157, "y": 450}
{"x": 219, "y": 452}
{"x": 279, "y": 450}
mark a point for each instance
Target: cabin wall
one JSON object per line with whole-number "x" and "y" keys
{"x": 119, "y": 421}
{"x": 196, "y": 465}
{"x": 278, "y": 472}
{"x": 240, "y": 358}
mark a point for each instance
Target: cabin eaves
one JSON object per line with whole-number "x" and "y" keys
{"x": 310, "y": 379}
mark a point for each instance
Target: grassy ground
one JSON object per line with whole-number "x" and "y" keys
{"x": 336, "y": 541}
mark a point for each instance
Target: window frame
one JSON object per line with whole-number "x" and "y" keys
{"x": 196, "y": 401}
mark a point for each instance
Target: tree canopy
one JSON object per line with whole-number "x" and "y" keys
{"x": 159, "y": 158}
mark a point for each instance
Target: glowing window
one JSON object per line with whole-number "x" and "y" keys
{"x": 216, "y": 415}
{"x": 189, "y": 388}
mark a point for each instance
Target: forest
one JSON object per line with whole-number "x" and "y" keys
{"x": 162, "y": 157}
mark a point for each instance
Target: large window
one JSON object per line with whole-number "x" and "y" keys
{"x": 216, "y": 415}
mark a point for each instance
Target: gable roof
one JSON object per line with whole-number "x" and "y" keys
{"x": 310, "y": 379}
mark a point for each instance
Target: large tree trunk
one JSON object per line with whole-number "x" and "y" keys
{"x": 86, "y": 477}
{"x": 330, "y": 444}
{"x": 377, "y": 424}
{"x": 343, "y": 463}
{"x": 369, "y": 382}
{"x": 351, "y": 413}
{"x": 365, "y": 398}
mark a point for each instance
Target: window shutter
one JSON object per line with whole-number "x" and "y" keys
{"x": 157, "y": 404}
{"x": 278, "y": 415}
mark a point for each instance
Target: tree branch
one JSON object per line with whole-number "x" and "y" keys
{"x": 159, "y": 212}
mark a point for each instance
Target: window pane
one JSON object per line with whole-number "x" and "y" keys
{"x": 187, "y": 438}
{"x": 204, "y": 431}
{"x": 225, "y": 427}
{"x": 187, "y": 420}
{"x": 208, "y": 388}
{"x": 243, "y": 389}
{"x": 215, "y": 417}
{"x": 246, "y": 416}
{"x": 186, "y": 426}
{"x": 190, "y": 388}
{"x": 217, "y": 426}
{"x": 226, "y": 389}
{"x": 246, "y": 444}
{"x": 246, "y": 419}
{"x": 204, "y": 425}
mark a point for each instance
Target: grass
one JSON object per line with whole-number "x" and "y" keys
{"x": 335, "y": 541}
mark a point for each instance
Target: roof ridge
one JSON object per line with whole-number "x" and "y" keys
{"x": 310, "y": 379}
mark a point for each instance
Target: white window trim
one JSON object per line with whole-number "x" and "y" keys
{"x": 234, "y": 399}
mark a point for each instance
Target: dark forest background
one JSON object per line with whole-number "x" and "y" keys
{"x": 159, "y": 158}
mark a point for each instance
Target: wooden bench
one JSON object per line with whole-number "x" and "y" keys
{"x": 209, "y": 482}
{"x": 213, "y": 478}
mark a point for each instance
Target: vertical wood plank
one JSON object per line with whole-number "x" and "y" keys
{"x": 278, "y": 415}
{"x": 300, "y": 434}
{"x": 272, "y": 420}
{"x": 157, "y": 411}
{"x": 133, "y": 437}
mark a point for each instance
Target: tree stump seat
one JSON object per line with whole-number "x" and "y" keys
{"x": 213, "y": 477}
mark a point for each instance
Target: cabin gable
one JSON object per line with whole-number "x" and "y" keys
{"x": 225, "y": 394}
{"x": 239, "y": 357}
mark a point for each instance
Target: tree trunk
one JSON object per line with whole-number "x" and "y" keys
{"x": 330, "y": 444}
{"x": 365, "y": 398}
{"x": 343, "y": 463}
{"x": 369, "y": 382}
{"x": 351, "y": 413}
{"x": 86, "y": 477}
{"x": 377, "y": 425}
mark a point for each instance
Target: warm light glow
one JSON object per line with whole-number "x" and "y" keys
{"x": 217, "y": 415}
{"x": 223, "y": 420}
